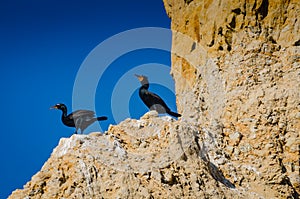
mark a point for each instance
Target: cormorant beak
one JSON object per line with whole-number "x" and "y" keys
{"x": 139, "y": 77}
{"x": 53, "y": 107}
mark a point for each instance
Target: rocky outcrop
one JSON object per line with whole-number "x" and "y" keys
{"x": 236, "y": 66}
{"x": 237, "y": 71}
{"x": 154, "y": 157}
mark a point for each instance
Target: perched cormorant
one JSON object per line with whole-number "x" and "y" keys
{"x": 151, "y": 100}
{"x": 79, "y": 119}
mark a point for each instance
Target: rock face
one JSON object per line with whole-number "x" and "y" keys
{"x": 237, "y": 70}
{"x": 236, "y": 66}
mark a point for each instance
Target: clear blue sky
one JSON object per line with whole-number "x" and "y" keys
{"x": 42, "y": 46}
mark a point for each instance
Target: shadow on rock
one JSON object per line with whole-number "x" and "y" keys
{"x": 217, "y": 174}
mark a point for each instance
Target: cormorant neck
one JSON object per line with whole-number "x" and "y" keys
{"x": 64, "y": 111}
{"x": 145, "y": 86}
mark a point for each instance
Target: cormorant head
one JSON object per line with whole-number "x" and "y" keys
{"x": 143, "y": 79}
{"x": 59, "y": 106}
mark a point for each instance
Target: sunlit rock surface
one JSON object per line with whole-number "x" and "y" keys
{"x": 236, "y": 65}
{"x": 152, "y": 157}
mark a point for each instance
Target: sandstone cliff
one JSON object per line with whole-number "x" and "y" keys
{"x": 236, "y": 65}
{"x": 237, "y": 71}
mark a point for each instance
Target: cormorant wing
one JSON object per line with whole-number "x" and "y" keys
{"x": 155, "y": 99}
{"x": 82, "y": 113}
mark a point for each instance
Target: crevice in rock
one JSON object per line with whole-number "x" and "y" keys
{"x": 188, "y": 1}
{"x": 220, "y": 31}
{"x": 283, "y": 169}
{"x": 62, "y": 179}
{"x": 285, "y": 181}
{"x": 263, "y": 9}
{"x": 169, "y": 180}
{"x": 232, "y": 24}
{"x": 218, "y": 175}
{"x": 271, "y": 39}
{"x": 197, "y": 142}
{"x": 213, "y": 37}
{"x": 237, "y": 11}
{"x": 297, "y": 43}
{"x": 295, "y": 194}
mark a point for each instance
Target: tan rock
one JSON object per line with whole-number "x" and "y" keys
{"x": 111, "y": 166}
{"x": 245, "y": 59}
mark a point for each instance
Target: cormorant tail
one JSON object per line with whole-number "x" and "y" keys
{"x": 101, "y": 118}
{"x": 174, "y": 114}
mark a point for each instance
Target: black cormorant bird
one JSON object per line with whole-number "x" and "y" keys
{"x": 151, "y": 100}
{"x": 79, "y": 119}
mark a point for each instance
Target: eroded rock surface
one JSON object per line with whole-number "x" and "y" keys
{"x": 237, "y": 70}
{"x": 154, "y": 157}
